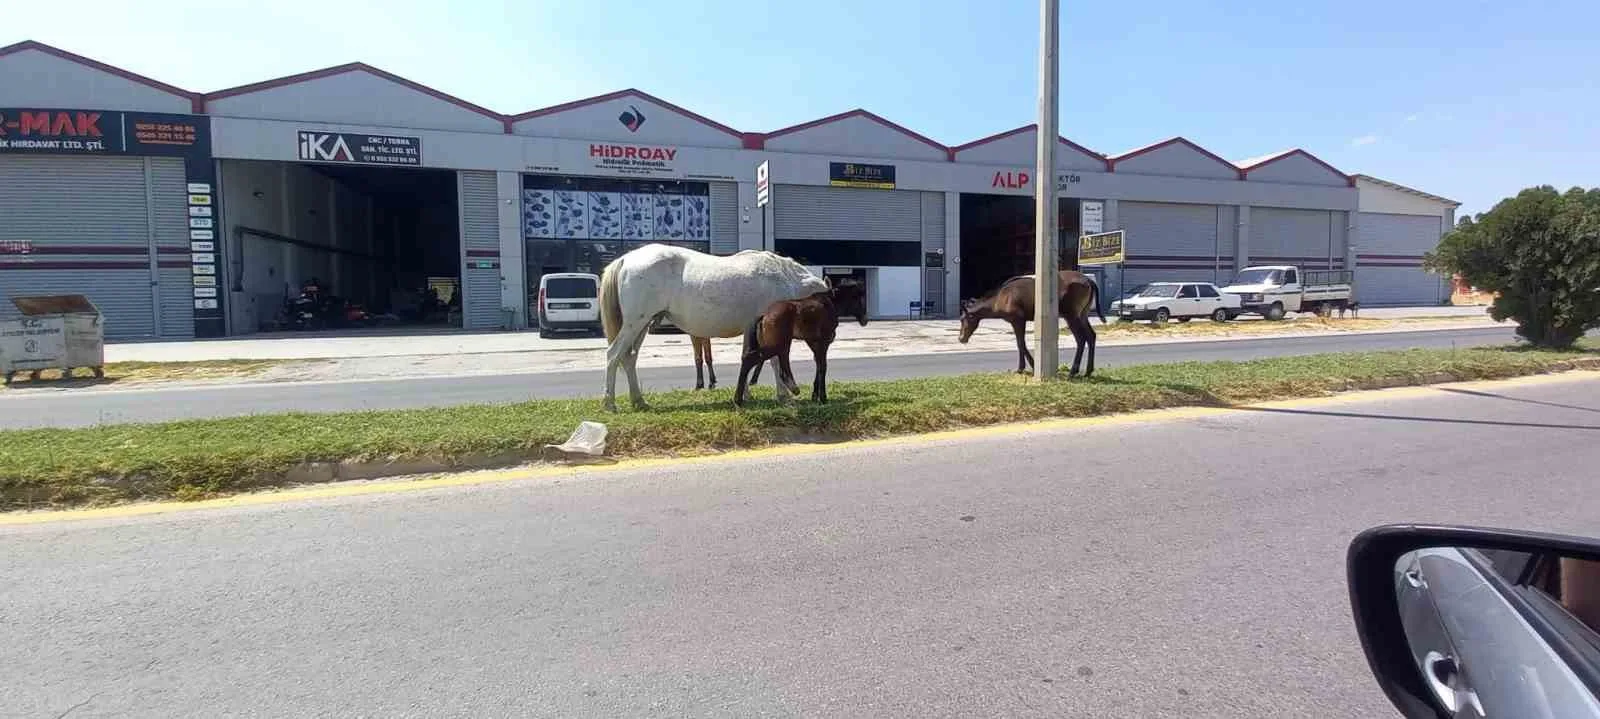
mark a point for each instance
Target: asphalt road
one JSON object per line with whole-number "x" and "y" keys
{"x": 1152, "y": 568}
{"x": 78, "y": 408}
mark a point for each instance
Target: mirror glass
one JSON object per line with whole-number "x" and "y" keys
{"x": 1499, "y": 633}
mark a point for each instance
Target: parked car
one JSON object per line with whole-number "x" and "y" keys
{"x": 1275, "y": 290}
{"x": 1161, "y": 301}
{"x": 568, "y": 301}
{"x": 1473, "y": 622}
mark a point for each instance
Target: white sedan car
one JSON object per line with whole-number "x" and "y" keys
{"x": 1161, "y": 301}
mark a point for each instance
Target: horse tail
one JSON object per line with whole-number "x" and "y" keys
{"x": 610, "y": 305}
{"x": 1094, "y": 298}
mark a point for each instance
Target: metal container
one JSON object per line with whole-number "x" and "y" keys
{"x": 64, "y": 332}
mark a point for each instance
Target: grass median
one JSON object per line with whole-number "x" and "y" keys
{"x": 201, "y": 458}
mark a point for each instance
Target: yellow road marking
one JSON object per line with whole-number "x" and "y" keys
{"x": 468, "y": 479}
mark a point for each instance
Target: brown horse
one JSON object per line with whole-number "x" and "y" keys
{"x": 1013, "y": 302}
{"x": 814, "y": 319}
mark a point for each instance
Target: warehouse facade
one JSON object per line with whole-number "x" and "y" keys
{"x": 214, "y": 208}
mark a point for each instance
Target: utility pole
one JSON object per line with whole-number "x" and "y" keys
{"x": 1046, "y": 352}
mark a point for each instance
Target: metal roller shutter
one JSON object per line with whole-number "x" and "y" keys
{"x": 170, "y": 218}
{"x": 724, "y": 218}
{"x": 480, "y": 243}
{"x": 1389, "y": 260}
{"x": 933, "y": 238}
{"x": 89, "y": 223}
{"x": 1170, "y": 242}
{"x": 808, "y": 212}
{"x": 1297, "y": 237}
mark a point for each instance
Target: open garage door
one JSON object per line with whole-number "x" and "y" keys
{"x": 997, "y": 239}
{"x": 384, "y": 244}
{"x": 1389, "y": 260}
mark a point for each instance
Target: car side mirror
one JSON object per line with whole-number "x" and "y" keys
{"x": 1476, "y": 622}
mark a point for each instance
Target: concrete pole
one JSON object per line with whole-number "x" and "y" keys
{"x": 1046, "y": 351}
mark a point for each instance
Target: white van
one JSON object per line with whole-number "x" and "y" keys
{"x": 568, "y": 301}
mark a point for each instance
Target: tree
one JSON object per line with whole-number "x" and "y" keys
{"x": 1539, "y": 252}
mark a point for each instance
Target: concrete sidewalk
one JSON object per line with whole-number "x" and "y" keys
{"x": 886, "y": 335}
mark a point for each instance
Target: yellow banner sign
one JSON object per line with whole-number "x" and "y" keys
{"x": 1105, "y": 248}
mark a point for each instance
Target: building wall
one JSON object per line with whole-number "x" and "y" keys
{"x": 39, "y": 79}
{"x": 857, "y": 136}
{"x": 1377, "y": 198}
{"x": 1297, "y": 169}
{"x": 1177, "y": 160}
{"x": 355, "y": 98}
{"x": 1020, "y": 148}
{"x": 603, "y": 121}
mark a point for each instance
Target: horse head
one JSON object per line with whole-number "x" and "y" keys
{"x": 971, "y": 315}
{"x": 850, "y": 300}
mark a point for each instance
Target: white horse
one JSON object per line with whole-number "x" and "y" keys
{"x": 704, "y": 295}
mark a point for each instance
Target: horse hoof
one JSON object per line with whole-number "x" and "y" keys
{"x": 610, "y": 406}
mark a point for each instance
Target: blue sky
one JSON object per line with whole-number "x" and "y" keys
{"x": 1471, "y": 100}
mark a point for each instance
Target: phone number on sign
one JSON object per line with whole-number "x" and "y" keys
{"x": 153, "y": 133}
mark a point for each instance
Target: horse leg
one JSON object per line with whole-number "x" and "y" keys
{"x": 785, "y": 381}
{"x": 1024, "y": 357}
{"x": 1092, "y": 338}
{"x": 699, "y": 374}
{"x": 741, "y": 391}
{"x": 1077, "y": 327}
{"x": 711, "y": 369}
{"x": 630, "y": 364}
{"x": 819, "y": 384}
{"x": 616, "y": 355}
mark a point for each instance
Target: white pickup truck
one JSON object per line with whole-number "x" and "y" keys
{"x": 1275, "y": 290}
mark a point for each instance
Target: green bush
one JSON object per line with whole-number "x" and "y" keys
{"x": 1540, "y": 253}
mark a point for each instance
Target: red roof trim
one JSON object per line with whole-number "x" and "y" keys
{"x": 1030, "y": 127}
{"x": 858, "y": 112}
{"x": 346, "y": 68}
{"x": 196, "y": 102}
{"x": 1349, "y": 179}
{"x": 1111, "y": 162}
{"x": 630, "y": 92}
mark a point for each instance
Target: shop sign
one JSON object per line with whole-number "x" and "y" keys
{"x": 648, "y": 160}
{"x": 1105, "y": 248}
{"x": 763, "y": 183}
{"x": 1019, "y": 179}
{"x": 1092, "y": 217}
{"x": 359, "y": 148}
{"x": 855, "y": 174}
{"x": 103, "y": 132}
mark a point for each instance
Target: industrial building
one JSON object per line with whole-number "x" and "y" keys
{"x": 187, "y": 214}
